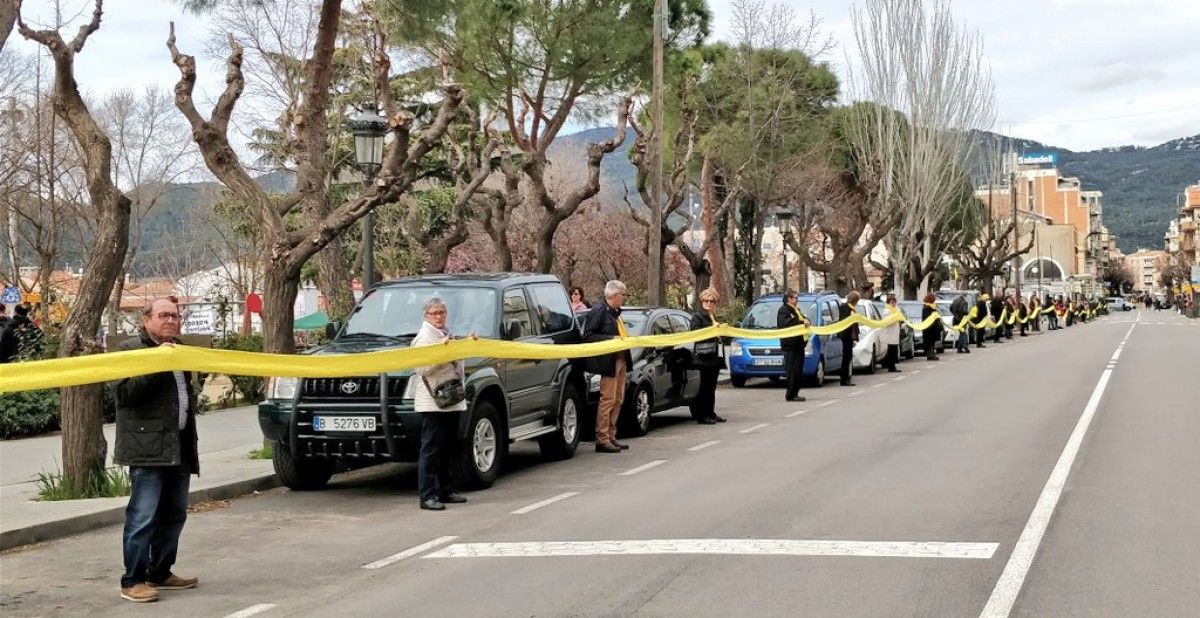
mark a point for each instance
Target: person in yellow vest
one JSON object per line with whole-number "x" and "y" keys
{"x": 709, "y": 358}
{"x": 793, "y": 347}
{"x": 602, "y": 323}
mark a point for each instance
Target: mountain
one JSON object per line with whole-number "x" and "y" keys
{"x": 1140, "y": 185}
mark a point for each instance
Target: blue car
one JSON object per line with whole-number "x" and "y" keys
{"x": 763, "y": 358}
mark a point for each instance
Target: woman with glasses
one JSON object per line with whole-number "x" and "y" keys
{"x": 710, "y": 359}
{"x": 439, "y": 422}
{"x": 578, "y": 304}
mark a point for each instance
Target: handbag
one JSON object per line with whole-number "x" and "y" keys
{"x": 705, "y": 348}
{"x": 448, "y": 393}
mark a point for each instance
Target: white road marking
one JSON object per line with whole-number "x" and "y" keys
{"x": 827, "y": 403}
{"x": 1008, "y": 587}
{"x": 253, "y": 610}
{"x": 880, "y": 385}
{"x": 643, "y": 467}
{"x": 915, "y": 371}
{"x": 547, "y": 502}
{"x": 410, "y": 552}
{"x": 898, "y": 378}
{"x": 854, "y": 394}
{"x": 795, "y": 414}
{"x": 701, "y": 447}
{"x": 754, "y": 428}
{"x": 729, "y": 547}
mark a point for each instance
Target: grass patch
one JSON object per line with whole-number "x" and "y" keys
{"x": 266, "y": 452}
{"x": 106, "y": 483}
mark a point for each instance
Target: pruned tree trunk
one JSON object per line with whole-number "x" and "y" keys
{"x": 83, "y": 445}
{"x": 8, "y": 16}
{"x": 721, "y": 280}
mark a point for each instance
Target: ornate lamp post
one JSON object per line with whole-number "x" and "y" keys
{"x": 784, "y": 217}
{"x": 369, "y": 130}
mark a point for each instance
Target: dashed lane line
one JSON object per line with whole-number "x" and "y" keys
{"x": 253, "y": 610}
{"x": 898, "y": 378}
{"x": 547, "y": 502}
{"x": 727, "y": 547}
{"x": 701, "y": 447}
{"x": 794, "y": 414}
{"x": 854, "y": 394}
{"x": 754, "y": 428}
{"x": 410, "y": 552}
{"x": 643, "y": 467}
{"x": 880, "y": 385}
{"x": 827, "y": 403}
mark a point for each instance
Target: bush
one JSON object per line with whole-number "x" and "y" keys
{"x": 732, "y": 312}
{"x": 28, "y": 413}
{"x": 248, "y": 389}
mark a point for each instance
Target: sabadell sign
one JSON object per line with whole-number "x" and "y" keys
{"x": 1038, "y": 158}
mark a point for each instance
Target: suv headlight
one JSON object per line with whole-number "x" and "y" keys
{"x": 282, "y": 388}
{"x": 735, "y": 348}
{"x": 410, "y": 389}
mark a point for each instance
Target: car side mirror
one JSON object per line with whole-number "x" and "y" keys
{"x": 332, "y": 328}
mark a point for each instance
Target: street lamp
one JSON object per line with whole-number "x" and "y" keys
{"x": 784, "y": 217}
{"x": 369, "y": 130}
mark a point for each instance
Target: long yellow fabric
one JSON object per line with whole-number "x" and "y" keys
{"x": 61, "y": 372}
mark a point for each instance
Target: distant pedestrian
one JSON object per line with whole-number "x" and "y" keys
{"x": 890, "y": 335}
{"x": 789, "y": 316}
{"x": 996, "y": 309}
{"x": 578, "y": 304}
{"x": 933, "y": 334}
{"x": 849, "y": 337}
{"x": 981, "y": 315}
{"x": 710, "y": 359}
{"x": 603, "y": 323}
{"x": 156, "y": 438}
{"x": 440, "y": 397}
{"x": 1035, "y": 313}
{"x": 960, "y": 311}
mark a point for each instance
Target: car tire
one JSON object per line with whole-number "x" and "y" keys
{"x": 300, "y": 474}
{"x": 737, "y": 381}
{"x": 636, "y": 420}
{"x": 562, "y": 443}
{"x": 482, "y": 454}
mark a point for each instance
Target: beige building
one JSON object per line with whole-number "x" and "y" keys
{"x": 1146, "y": 266}
{"x": 1188, "y": 225}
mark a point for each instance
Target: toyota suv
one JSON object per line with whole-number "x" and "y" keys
{"x": 319, "y": 426}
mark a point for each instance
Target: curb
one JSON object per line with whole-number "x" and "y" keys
{"x": 57, "y": 529}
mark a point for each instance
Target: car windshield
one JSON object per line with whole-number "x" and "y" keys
{"x": 397, "y": 311}
{"x": 764, "y": 314}
{"x": 633, "y": 322}
{"x": 911, "y": 309}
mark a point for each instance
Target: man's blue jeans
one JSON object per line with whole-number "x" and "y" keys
{"x": 158, "y": 501}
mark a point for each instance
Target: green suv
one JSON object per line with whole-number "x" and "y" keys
{"x": 324, "y": 425}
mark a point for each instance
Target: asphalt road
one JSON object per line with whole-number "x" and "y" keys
{"x": 918, "y": 494}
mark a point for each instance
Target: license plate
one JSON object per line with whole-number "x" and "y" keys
{"x": 344, "y": 423}
{"x": 768, "y": 362}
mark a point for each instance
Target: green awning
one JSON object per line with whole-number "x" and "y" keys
{"x": 312, "y": 321}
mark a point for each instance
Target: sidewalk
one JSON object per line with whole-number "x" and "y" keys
{"x": 226, "y": 438}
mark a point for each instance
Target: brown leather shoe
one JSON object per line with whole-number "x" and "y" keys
{"x": 175, "y": 582}
{"x": 619, "y": 445}
{"x": 605, "y": 447}
{"x": 140, "y": 593}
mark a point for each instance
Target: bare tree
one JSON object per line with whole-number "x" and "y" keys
{"x": 288, "y": 247}
{"x": 992, "y": 244}
{"x": 929, "y": 86}
{"x": 83, "y": 443}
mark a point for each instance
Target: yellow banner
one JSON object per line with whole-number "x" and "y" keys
{"x": 61, "y": 372}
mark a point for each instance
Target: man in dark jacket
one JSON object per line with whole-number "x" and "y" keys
{"x": 602, "y": 323}
{"x": 981, "y": 315}
{"x": 156, "y": 438}
{"x": 20, "y": 336}
{"x": 849, "y": 337}
{"x": 793, "y": 347}
{"x": 959, "y": 309}
{"x": 997, "y": 308}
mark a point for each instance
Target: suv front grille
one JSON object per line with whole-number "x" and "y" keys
{"x": 766, "y": 351}
{"x": 350, "y": 389}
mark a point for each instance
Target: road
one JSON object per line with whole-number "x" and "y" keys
{"x": 1049, "y": 476}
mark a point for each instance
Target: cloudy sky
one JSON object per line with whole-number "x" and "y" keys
{"x": 1078, "y": 74}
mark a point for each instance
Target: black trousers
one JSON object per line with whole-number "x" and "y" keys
{"x": 793, "y": 362}
{"x": 979, "y": 335}
{"x": 705, "y": 404}
{"x": 439, "y": 449}
{"x": 847, "y": 369}
{"x": 892, "y": 357}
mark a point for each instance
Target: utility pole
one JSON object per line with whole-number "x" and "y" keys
{"x": 1016, "y": 261}
{"x": 654, "y": 242}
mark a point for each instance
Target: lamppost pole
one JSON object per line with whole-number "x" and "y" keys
{"x": 370, "y": 131}
{"x": 654, "y": 238}
{"x": 784, "y": 219}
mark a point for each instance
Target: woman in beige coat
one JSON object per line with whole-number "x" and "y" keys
{"x": 439, "y": 426}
